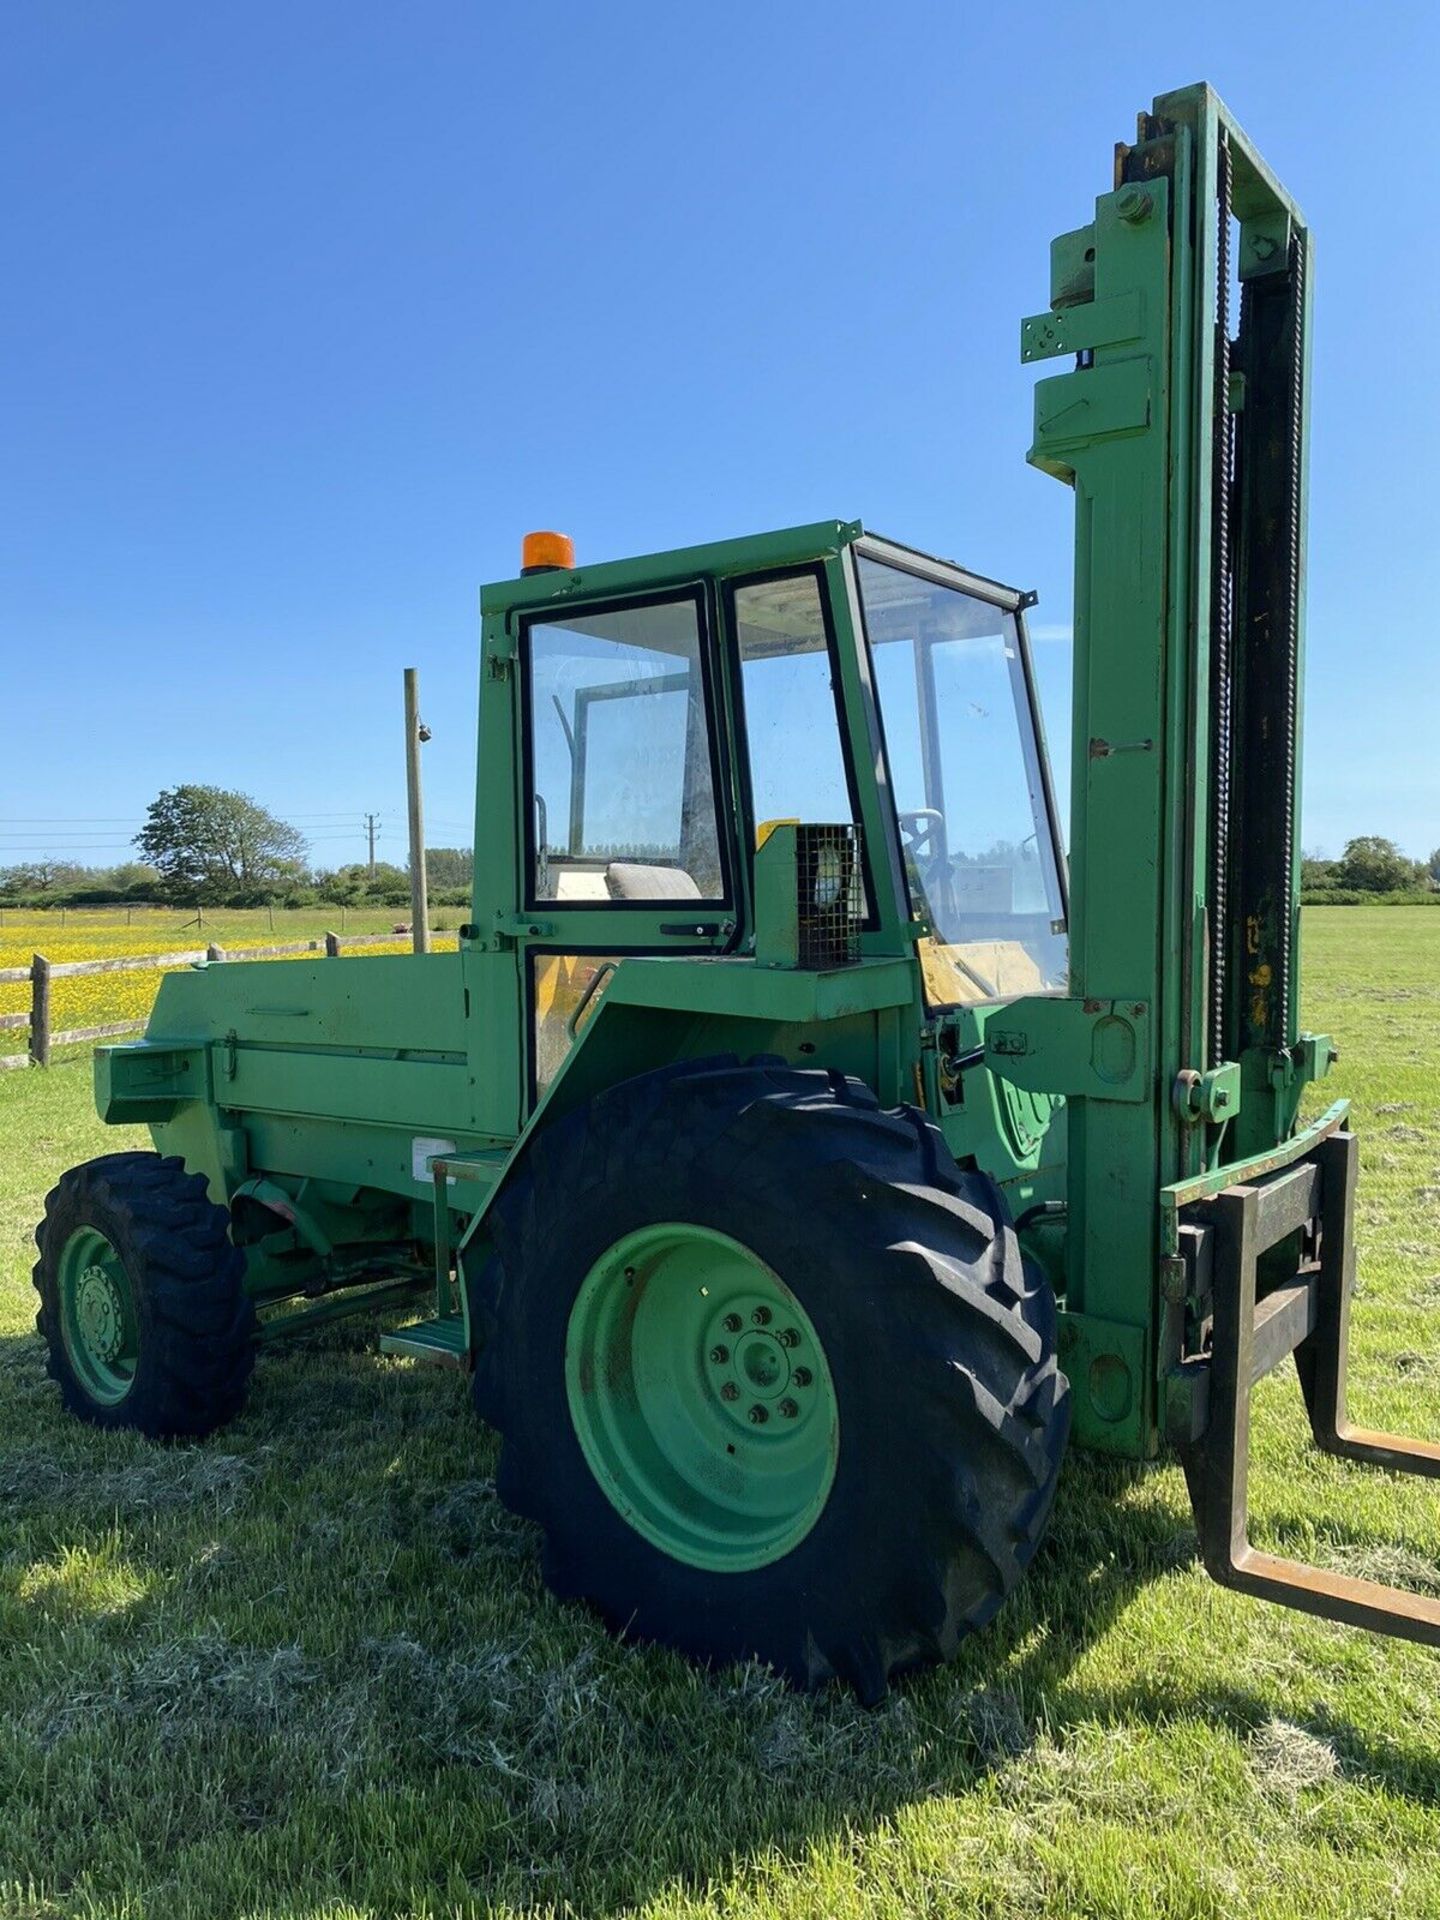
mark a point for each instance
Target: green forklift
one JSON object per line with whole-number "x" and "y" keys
{"x": 795, "y": 1154}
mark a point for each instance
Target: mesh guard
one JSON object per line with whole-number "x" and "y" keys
{"x": 829, "y": 895}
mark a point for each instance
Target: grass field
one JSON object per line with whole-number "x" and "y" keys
{"x": 308, "y": 1668}
{"x": 105, "y": 933}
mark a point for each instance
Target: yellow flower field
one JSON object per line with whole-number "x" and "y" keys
{"x": 100, "y": 999}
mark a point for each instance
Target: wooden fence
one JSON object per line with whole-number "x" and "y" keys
{"x": 41, "y": 972}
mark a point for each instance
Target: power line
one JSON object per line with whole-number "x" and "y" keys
{"x": 117, "y": 834}
{"x": 134, "y": 820}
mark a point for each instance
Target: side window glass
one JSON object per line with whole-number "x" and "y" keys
{"x": 792, "y": 726}
{"x": 622, "y": 778}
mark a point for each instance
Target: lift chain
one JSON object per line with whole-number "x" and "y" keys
{"x": 1294, "y": 514}
{"x": 1222, "y": 616}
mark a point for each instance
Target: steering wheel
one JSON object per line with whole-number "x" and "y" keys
{"x": 924, "y": 831}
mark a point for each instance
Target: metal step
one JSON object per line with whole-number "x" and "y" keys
{"x": 439, "y": 1341}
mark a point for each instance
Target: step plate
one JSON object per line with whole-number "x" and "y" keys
{"x": 439, "y": 1342}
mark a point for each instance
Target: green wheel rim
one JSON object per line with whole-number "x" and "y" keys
{"x": 98, "y": 1321}
{"x": 701, "y": 1397}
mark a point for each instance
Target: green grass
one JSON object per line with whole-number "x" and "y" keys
{"x": 308, "y": 1668}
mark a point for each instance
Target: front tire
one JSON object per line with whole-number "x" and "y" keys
{"x": 770, "y": 1373}
{"x": 142, "y": 1303}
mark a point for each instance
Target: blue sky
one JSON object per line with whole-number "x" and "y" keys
{"x": 312, "y": 309}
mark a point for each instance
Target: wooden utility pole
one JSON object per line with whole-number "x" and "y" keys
{"x": 414, "y": 734}
{"x": 370, "y": 819}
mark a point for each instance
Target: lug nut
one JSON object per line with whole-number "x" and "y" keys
{"x": 733, "y": 1323}
{"x": 790, "y": 1337}
{"x": 729, "y": 1391}
{"x": 719, "y": 1355}
{"x": 761, "y": 1316}
{"x": 758, "y": 1416}
{"x": 801, "y": 1376}
{"x": 788, "y": 1409}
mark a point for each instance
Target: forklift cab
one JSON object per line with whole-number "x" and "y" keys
{"x": 673, "y": 710}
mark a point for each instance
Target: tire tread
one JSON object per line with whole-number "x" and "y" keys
{"x": 197, "y": 1323}
{"x": 974, "y": 1328}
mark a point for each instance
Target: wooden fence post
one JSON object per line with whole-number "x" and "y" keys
{"x": 40, "y": 1010}
{"x": 212, "y": 952}
{"x": 332, "y": 945}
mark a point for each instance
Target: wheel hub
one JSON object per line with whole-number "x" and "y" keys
{"x": 763, "y": 1363}
{"x": 100, "y": 1313}
{"x": 769, "y": 1365}
{"x": 701, "y": 1397}
{"x": 99, "y": 1323}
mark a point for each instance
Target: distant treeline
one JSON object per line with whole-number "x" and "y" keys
{"x": 206, "y": 846}
{"x": 41, "y": 885}
{"x": 213, "y": 847}
{"x": 1370, "y": 872}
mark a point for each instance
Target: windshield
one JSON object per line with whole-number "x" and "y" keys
{"x": 965, "y": 773}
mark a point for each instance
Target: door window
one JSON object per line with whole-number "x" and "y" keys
{"x": 621, "y": 764}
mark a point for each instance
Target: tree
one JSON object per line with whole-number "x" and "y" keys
{"x": 352, "y": 885}
{"x": 1433, "y": 864}
{"x": 36, "y": 877}
{"x": 208, "y": 844}
{"x": 131, "y": 876}
{"x": 449, "y": 867}
{"x": 1373, "y": 865}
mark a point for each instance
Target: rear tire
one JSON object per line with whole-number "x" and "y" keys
{"x": 142, "y": 1302}
{"x": 667, "y": 1200}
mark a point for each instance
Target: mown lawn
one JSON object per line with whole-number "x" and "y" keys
{"x": 307, "y": 1668}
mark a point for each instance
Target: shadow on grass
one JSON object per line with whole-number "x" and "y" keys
{"x": 313, "y": 1656}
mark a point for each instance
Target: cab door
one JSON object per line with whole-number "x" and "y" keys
{"x": 626, "y": 831}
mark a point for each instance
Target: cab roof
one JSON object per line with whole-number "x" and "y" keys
{"x": 751, "y": 553}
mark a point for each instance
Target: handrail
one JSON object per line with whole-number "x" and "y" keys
{"x": 602, "y": 972}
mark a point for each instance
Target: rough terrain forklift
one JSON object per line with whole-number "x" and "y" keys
{"x": 794, "y": 1155}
